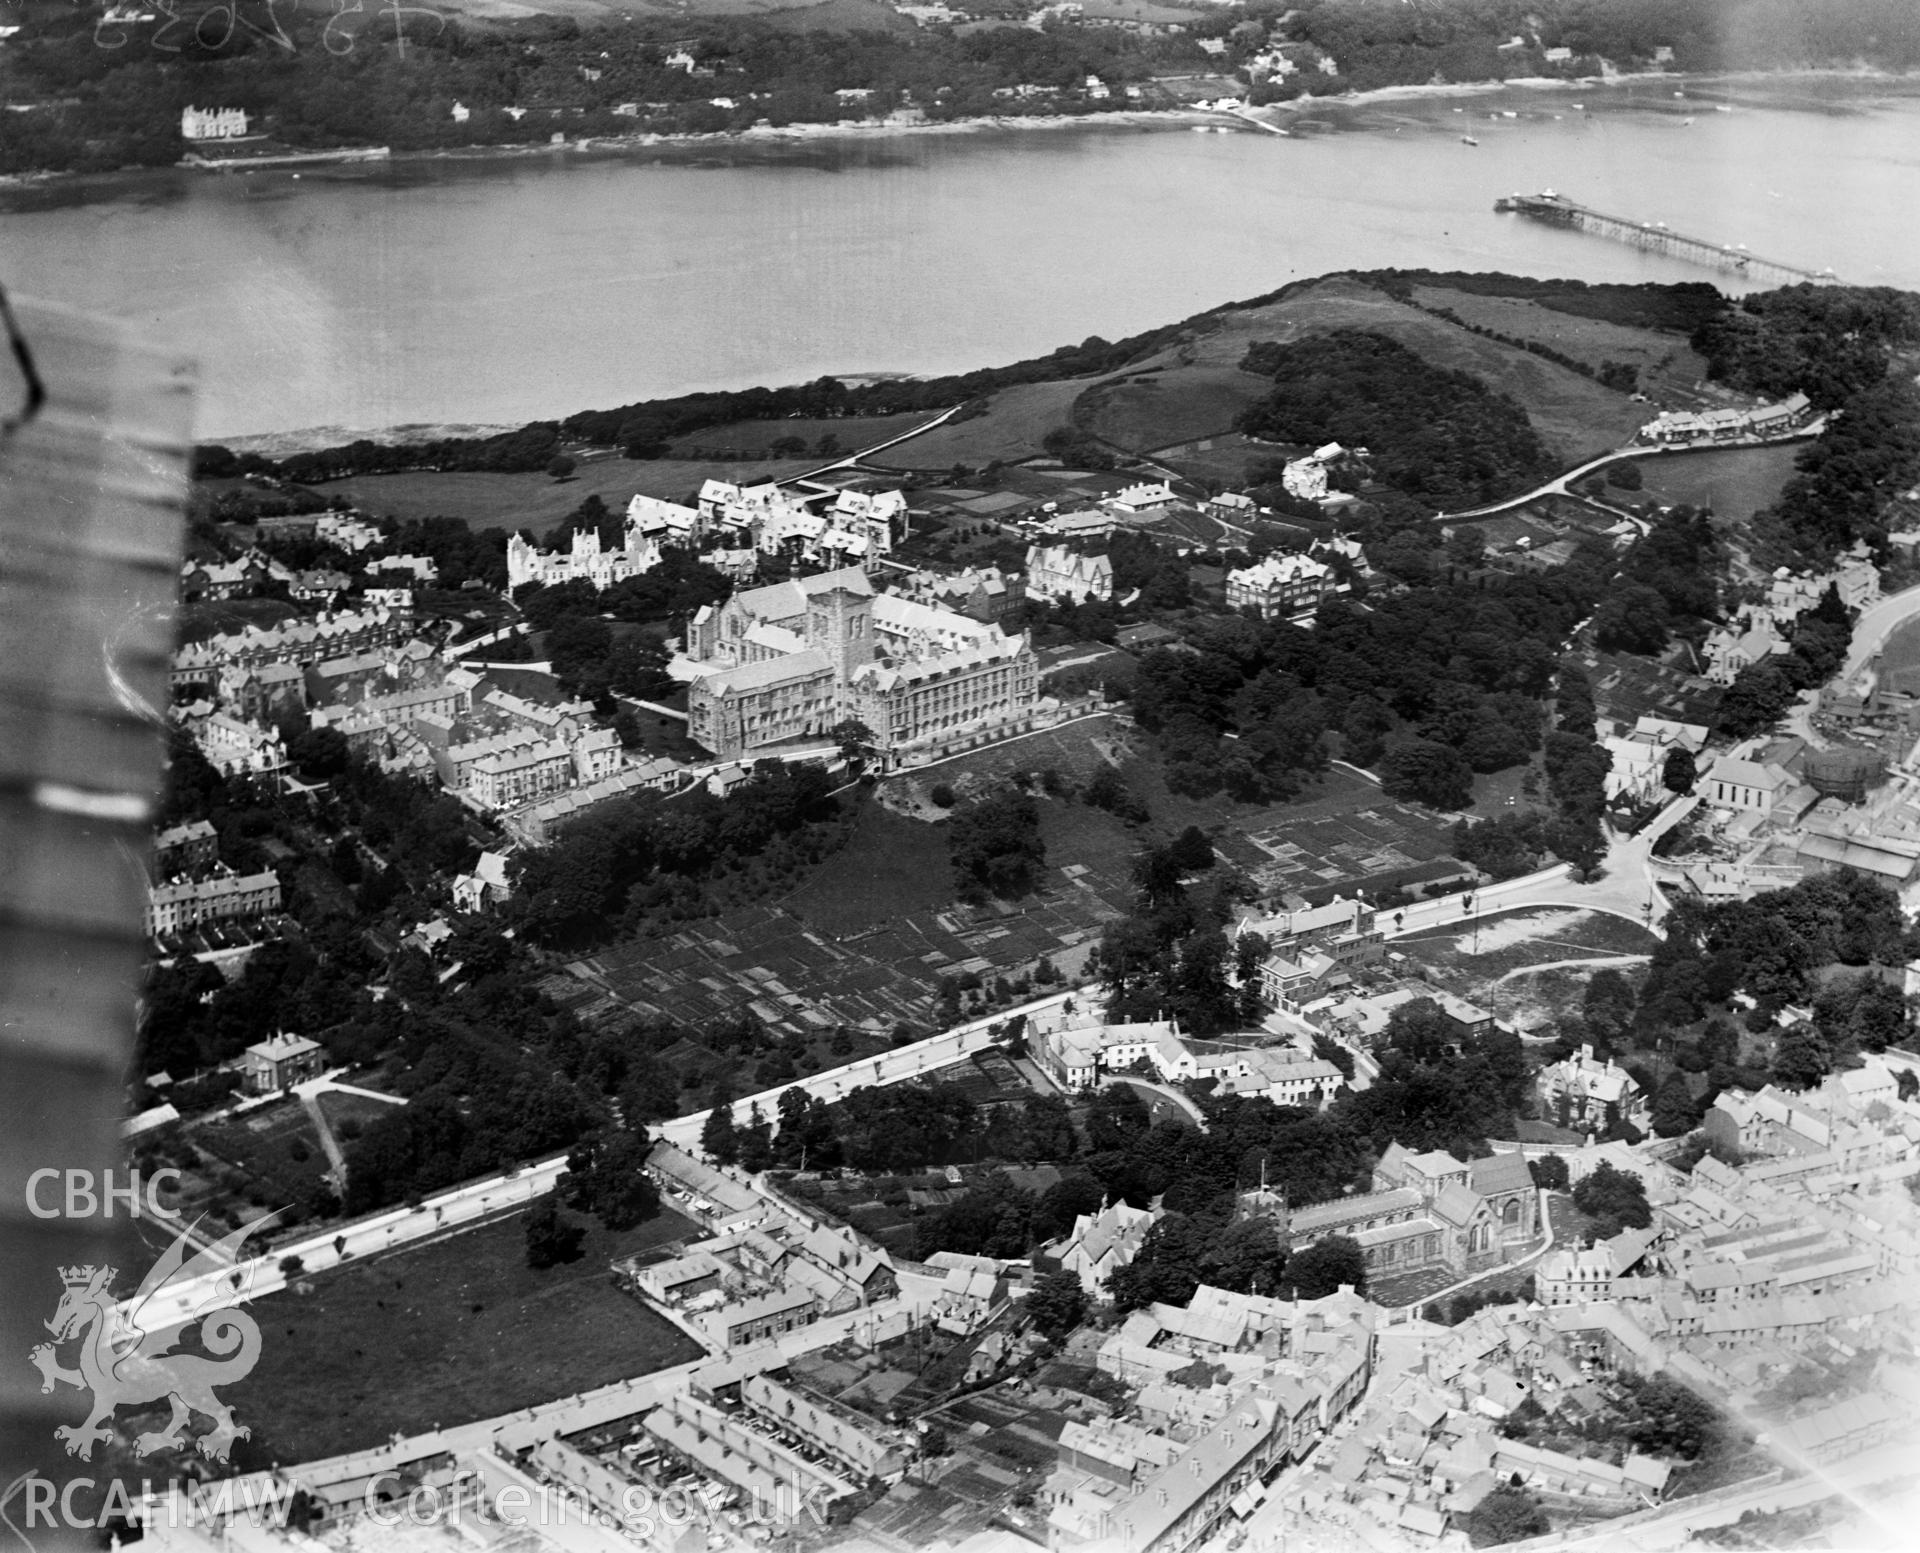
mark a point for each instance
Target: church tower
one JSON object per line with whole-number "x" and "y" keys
{"x": 840, "y": 624}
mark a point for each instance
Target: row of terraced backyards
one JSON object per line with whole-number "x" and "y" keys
{"x": 447, "y": 1332}
{"x": 1627, "y": 687}
{"x": 1005, "y": 1442}
{"x": 887, "y": 1207}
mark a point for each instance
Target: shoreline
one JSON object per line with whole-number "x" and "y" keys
{"x": 1280, "y": 117}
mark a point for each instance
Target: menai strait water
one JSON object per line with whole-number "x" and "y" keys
{"x": 497, "y": 291}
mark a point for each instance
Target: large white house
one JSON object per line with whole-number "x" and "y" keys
{"x": 1587, "y": 1093}
{"x": 1280, "y": 585}
{"x": 585, "y": 561}
{"x": 1061, "y": 572}
{"x": 814, "y": 523}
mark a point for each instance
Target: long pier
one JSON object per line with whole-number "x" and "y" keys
{"x": 1656, "y": 237}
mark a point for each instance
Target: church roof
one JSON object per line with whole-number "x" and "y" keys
{"x": 1500, "y": 1173}
{"x": 1457, "y": 1204}
{"x": 762, "y": 676}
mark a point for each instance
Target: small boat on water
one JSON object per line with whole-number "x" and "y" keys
{"x": 1468, "y": 140}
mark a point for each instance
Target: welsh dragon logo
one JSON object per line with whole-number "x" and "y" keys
{"x": 126, "y": 1355}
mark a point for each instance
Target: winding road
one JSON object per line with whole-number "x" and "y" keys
{"x": 1558, "y": 485}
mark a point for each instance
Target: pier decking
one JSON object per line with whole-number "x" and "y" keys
{"x": 1558, "y": 210}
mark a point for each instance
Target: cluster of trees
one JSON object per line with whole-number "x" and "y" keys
{"x": 1669, "y": 582}
{"x": 1508, "y": 1514}
{"x": 1828, "y": 342}
{"x": 606, "y": 1176}
{"x": 481, "y": 1094}
{"x": 995, "y": 846}
{"x": 993, "y": 1217}
{"x": 1438, "y": 1088}
{"x": 1506, "y": 845}
{"x": 1859, "y": 462}
{"x": 1378, "y": 43}
{"x": 1770, "y": 946}
{"x": 520, "y": 451}
{"x": 460, "y": 554}
{"x": 1850, "y": 1015}
{"x": 552, "y": 1238}
{"x": 1836, "y": 344}
{"x": 629, "y": 862}
{"x": 1613, "y": 1200}
{"x": 1306, "y": 1155}
{"x": 1775, "y": 947}
{"x": 1444, "y": 680}
{"x": 346, "y": 861}
{"x": 1169, "y": 957}
{"x": 1247, "y": 1256}
{"x": 1438, "y": 435}
{"x": 889, "y": 1129}
{"x": 1577, "y": 764}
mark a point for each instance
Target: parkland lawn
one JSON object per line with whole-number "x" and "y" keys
{"x": 447, "y": 1333}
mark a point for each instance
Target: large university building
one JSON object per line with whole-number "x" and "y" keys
{"x": 776, "y": 665}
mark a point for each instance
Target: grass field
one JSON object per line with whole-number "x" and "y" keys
{"x": 1496, "y": 963}
{"x": 1152, "y": 410}
{"x": 752, "y": 439}
{"x": 352, "y": 1111}
{"x": 1573, "y": 414}
{"x": 1734, "y": 482}
{"x": 892, "y": 867}
{"x": 1903, "y": 647}
{"x": 1584, "y": 339}
{"x": 446, "y": 1333}
{"x": 1015, "y": 421}
{"x": 1137, "y": 11}
{"x": 1507, "y": 941}
{"x": 537, "y": 501}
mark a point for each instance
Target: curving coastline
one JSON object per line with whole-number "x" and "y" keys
{"x": 1281, "y": 114}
